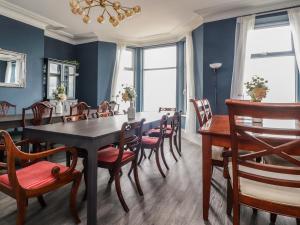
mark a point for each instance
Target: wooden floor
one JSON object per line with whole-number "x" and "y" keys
{"x": 176, "y": 200}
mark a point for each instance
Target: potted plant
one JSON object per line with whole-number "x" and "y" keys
{"x": 60, "y": 96}
{"x": 257, "y": 89}
{"x": 129, "y": 95}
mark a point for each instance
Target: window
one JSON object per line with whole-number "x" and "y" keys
{"x": 127, "y": 77}
{"x": 273, "y": 58}
{"x": 160, "y": 77}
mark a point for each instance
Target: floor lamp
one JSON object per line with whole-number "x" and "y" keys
{"x": 215, "y": 67}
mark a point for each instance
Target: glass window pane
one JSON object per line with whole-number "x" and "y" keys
{"x": 159, "y": 89}
{"x": 275, "y": 39}
{"x": 128, "y": 58}
{"x": 53, "y": 83}
{"x": 160, "y": 57}
{"x": 280, "y": 73}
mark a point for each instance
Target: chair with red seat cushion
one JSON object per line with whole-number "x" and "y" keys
{"x": 170, "y": 134}
{"x": 38, "y": 178}
{"x": 155, "y": 144}
{"x": 114, "y": 159}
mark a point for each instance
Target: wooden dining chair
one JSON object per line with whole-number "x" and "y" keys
{"x": 273, "y": 188}
{"x": 171, "y": 134}
{"x": 5, "y": 108}
{"x": 104, "y": 107}
{"x": 156, "y": 145}
{"x": 37, "y": 179}
{"x": 79, "y": 109}
{"x": 114, "y": 159}
{"x": 204, "y": 114}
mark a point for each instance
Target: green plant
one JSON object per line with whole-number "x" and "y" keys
{"x": 257, "y": 88}
{"x": 128, "y": 93}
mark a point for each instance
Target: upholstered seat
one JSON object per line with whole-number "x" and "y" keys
{"x": 156, "y": 132}
{"x": 267, "y": 192}
{"x": 149, "y": 140}
{"x": 110, "y": 155}
{"x": 35, "y": 176}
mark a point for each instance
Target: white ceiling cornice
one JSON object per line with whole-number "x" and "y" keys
{"x": 55, "y": 30}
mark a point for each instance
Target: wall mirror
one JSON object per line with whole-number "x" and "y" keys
{"x": 12, "y": 69}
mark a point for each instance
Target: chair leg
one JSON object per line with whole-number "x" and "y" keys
{"x": 254, "y": 211}
{"x": 112, "y": 175}
{"x": 22, "y": 206}
{"x": 273, "y": 218}
{"x": 136, "y": 178}
{"x": 236, "y": 213}
{"x": 162, "y": 152}
{"x": 149, "y": 157}
{"x": 229, "y": 198}
{"x": 42, "y": 201}
{"x": 171, "y": 148}
{"x": 119, "y": 191}
{"x": 141, "y": 156}
{"x": 73, "y": 198}
{"x": 158, "y": 163}
{"x": 298, "y": 221}
{"x": 176, "y": 145}
{"x": 85, "y": 176}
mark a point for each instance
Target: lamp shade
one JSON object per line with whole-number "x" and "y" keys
{"x": 215, "y": 66}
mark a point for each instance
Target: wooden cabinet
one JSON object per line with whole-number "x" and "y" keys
{"x": 56, "y": 73}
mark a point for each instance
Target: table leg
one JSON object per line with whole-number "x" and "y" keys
{"x": 92, "y": 188}
{"x": 206, "y": 170}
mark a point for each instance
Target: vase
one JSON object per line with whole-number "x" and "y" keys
{"x": 59, "y": 107}
{"x": 131, "y": 112}
{"x": 256, "y": 120}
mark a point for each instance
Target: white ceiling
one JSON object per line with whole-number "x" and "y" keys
{"x": 160, "y": 20}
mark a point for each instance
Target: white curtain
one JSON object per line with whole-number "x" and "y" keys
{"x": 190, "y": 123}
{"x": 118, "y": 70}
{"x": 294, "y": 17}
{"x": 243, "y": 26}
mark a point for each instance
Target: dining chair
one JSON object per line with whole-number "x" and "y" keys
{"x": 101, "y": 114}
{"x": 5, "y": 107}
{"x": 272, "y": 188}
{"x": 79, "y": 109}
{"x": 171, "y": 134}
{"x": 156, "y": 145}
{"x": 167, "y": 110}
{"x": 204, "y": 114}
{"x": 104, "y": 107}
{"x": 114, "y": 159}
{"x": 38, "y": 178}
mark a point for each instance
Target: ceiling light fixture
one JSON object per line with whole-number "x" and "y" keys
{"x": 114, "y": 10}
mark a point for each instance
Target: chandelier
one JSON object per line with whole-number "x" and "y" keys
{"x": 114, "y": 10}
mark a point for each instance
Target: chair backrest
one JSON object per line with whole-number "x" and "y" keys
{"x": 175, "y": 122}
{"x": 79, "y": 109}
{"x": 207, "y": 108}
{"x": 5, "y": 107}
{"x": 200, "y": 111}
{"x": 280, "y": 141}
{"x": 41, "y": 111}
{"x": 74, "y": 118}
{"x": 166, "y": 109}
{"x": 130, "y": 138}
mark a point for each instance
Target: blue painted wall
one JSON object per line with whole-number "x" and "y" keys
{"x": 87, "y": 82}
{"x": 218, "y": 46}
{"x": 106, "y": 60}
{"x": 56, "y": 49}
{"x": 23, "y": 38}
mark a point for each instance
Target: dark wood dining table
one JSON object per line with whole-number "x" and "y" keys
{"x": 216, "y": 132}
{"x": 91, "y": 135}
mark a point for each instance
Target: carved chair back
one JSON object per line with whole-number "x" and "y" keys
{"x": 166, "y": 109}
{"x": 5, "y": 108}
{"x": 207, "y": 108}
{"x": 40, "y": 111}
{"x": 130, "y": 139}
{"x": 200, "y": 111}
{"x": 274, "y": 141}
{"x": 79, "y": 109}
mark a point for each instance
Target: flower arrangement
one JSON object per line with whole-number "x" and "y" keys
{"x": 128, "y": 94}
{"x": 257, "y": 88}
{"x": 59, "y": 94}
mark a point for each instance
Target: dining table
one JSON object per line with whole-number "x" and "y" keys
{"x": 91, "y": 135}
{"x": 216, "y": 132}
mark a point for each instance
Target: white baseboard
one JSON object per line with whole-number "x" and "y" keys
{"x": 194, "y": 138}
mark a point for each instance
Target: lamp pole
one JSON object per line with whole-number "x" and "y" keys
{"x": 215, "y": 67}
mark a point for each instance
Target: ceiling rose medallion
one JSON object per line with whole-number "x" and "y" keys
{"x": 113, "y": 10}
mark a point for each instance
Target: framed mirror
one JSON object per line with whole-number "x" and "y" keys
{"x": 12, "y": 69}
